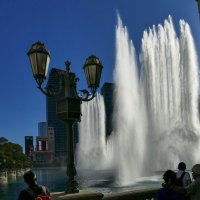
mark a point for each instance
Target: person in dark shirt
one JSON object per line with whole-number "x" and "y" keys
{"x": 33, "y": 189}
{"x": 166, "y": 193}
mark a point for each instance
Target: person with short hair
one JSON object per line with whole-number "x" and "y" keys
{"x": 33, "y": 189}
{"x": 166, "y": 193}
{"x": 182, "y": 177}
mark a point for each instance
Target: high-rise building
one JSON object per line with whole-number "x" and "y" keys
{"x": 107, "y": 91}
{"x": 52, "y": 119}
{"x": 29, "y": 146}
{"x": 44, "y": 153}
{"x": 42, "y": 129}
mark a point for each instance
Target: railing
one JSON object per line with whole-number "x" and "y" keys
{"x": 145, "y": 194}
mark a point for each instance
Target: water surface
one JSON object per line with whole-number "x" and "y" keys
{"x": 55, "y": 179}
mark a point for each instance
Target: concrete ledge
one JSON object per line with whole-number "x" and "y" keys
{"x": 88, "y": 195}
{"x": 133, "y": 195}
{"x": 82, "y": 195}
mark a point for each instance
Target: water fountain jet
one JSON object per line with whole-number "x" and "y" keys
{"x": 156, "y": 121}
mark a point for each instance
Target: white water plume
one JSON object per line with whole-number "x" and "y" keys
{"x": 91, "y": 149}
{"x": 129, "y": 118}
{"x": 156, "y": 120}
{"x": 170, "y": 82}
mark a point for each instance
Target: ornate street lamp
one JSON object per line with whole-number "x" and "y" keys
{"x": 68, "y": 108}
{"x": 39, "y": 58}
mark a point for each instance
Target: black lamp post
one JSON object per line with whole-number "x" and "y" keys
{"x": 69, "y": 107}
{"x": 198, "y": 3}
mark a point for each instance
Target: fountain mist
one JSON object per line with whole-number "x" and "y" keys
{"x": 91, "y": 149}
{"x": 156, "y": 122}
{"x": 129, "y": 118}
{"x": 170, "y": 82}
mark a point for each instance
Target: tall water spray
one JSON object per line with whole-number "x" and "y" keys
{"x": 156, "y": 121}
{"x": 170, "y": 82}
{"x": 91, "y": 149}
{"x": 129, "y": 114}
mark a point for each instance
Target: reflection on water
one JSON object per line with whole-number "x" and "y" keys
{"x": 55, "y": 179}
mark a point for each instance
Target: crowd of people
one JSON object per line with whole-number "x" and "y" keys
{"x": 176, "y": 186}
{"x": 180, "y": 186}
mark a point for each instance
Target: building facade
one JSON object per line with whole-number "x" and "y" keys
{"x": 45, "y": 149}
{"x": 29, "y": 146}
{"x": 42, "y": 129}
{"x": 107, "y": 92}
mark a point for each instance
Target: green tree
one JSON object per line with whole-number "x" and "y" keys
{"x": 3, "y": 140}
{"x": 11, "y": 156}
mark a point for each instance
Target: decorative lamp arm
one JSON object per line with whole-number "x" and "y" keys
{"x": 89, "y": 96}
{"x": 50, "y": 91}
{"x": 86, "y": 95}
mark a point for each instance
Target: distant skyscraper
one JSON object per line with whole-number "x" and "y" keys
{"x": 107, "y": 91}
{"x": 44, "y": 153}
{"x": 29, "y": 146}
{"x": 52, "y": 119}
{"x": 42, "y": 129}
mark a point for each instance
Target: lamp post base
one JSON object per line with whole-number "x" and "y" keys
{"x": 72, "y": 184}
{"x": 72, "y": 187}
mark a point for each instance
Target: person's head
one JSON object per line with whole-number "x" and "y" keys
{"x": 182, "y": 166}
{"x": 30, "y": 178}
{"x": 169, "y": 177}
{"x": 196, "y": 171}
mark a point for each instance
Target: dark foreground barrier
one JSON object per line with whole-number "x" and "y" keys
{"x": 82, "y": 195}
{"x": 145, "y": 194}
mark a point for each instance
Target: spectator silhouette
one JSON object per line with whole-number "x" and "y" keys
{"x": 33, "y": 189}
{"x": 192, "y": 190}
{"x": 166, "y": 193}
{"x": 182, "y": 177}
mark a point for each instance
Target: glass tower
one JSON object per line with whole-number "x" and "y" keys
{"x": 42, "y": 129}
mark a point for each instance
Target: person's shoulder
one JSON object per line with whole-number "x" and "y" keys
{"x": 162, "y": 191}
{"x": 179, "y": 173}
{"x": 161, "y": 194}
{"x": 166, "y": 193}
{"x": 43, "y": 187}
{"x": 45, "y": 190}
{"x": 23, "y": 195}
{"x": 24, "y": 191}
{"x": 187, "y": 175}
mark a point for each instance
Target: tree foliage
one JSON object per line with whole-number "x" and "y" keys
{"x": 11, "y": 156}
{"x": 3, "y": 140}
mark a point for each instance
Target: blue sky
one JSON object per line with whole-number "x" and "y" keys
{"x": 72, "y": 30}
